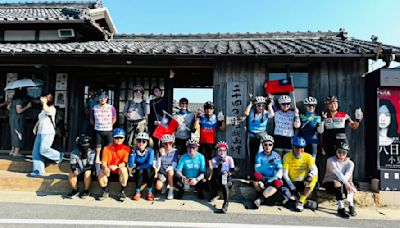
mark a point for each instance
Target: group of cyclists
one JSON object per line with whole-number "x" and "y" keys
{"x": 190, "y": 157}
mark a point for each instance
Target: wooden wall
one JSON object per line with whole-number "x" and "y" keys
{"x": 343, "y": 79}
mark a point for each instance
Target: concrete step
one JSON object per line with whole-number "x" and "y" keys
{"x": 24, "y": 165}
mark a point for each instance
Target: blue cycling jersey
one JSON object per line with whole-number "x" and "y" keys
{"x": 255, "y": 124}
{"x": 268, "y": 166}
{"x": 192, "y": 166}
{"x": 141, "y": 159}
{"x": 309, "y": 122}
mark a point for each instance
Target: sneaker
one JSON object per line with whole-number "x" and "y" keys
{"x": 35, "y": 173}
{"x": 342, "y": 213}
{"x": 150, "y": 196}
{"x": 257, "y": 203}
{"x": 61, "y": 158}
{"x": 72, "y": 194}
{"x": 170, "y": 195}
{"x": 352, "y": 211}
{"x": 224, "y": 208}
{"x": 299, "y": 206}
{"x": 312, "y": 204}
{"x": 104, "y": 195}
{"x": 122, "y": 196}
{"x": 85, "y": 194}
{"x": 137, "y": 196}
{"x": 163, "y": 190}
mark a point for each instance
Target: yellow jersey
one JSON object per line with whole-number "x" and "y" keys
{"x": 298, "y": 167}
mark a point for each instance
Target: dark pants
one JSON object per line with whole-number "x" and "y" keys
{"x": 338, "y": 192}
{"x": 180, "y": 145}
{"x": 216, "y": 184}
{"x": 254, "y": 144}
{"x": 207, "y": 149}
{"x": 180, "y": 186}
{"x": 146, "y": 175}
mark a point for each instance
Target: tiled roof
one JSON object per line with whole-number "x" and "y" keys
{"x": 259, "y": 44}
{"x": 40, "y": 12}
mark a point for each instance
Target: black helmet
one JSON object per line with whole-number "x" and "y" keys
{"x": 208, "y": 104}
{"x": 83, "y": 140}
{"x": 331, "y": 99}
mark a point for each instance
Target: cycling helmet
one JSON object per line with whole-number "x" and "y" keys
{"x": 208, "y": 104}
{"x": 310, "y": 101}
{"x": 344, "y": 147}
{"x": 267, "y": 138}
{"x": 83, "y": 140}
{"x": 260, "y": 100}
{"x": 284, "y": 99}
{"x": 331, "y": 99}
{"x": 192, "y": 141}
{"x": 167, "y": 138}
{"x": 119, "y": 132}
{"x": 138, "y": 88}
{"x": 142, "y": 135}
{"x": 299, "y": 141}
{"x": 222, "y": 144}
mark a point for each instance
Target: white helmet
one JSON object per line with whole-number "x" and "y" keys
{"x": 266, "y": 138}
{"x": 142, "y": 135}
{"x": 284, "y": 99}
{"x": 259, "y": 100}
{"x": 310, "y": 101}
{"x": 167, "y": 138}
{"x": 192, "y": 141}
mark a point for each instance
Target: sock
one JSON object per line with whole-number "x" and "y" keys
{"x": 340, "y": 204}
{"x": 149, "y": 189}
{"x": 74, "y": 191}
{"x": 350, "y": 199}
{"x": 303, "y": 199}
{"x": 123, "y": 188}
{"x": 104, "y": 189}
{"x": 138, "y": 190}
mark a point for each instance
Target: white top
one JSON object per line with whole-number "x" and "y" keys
{"x": 284, "y": 123}
{"x": 45, "y": 124}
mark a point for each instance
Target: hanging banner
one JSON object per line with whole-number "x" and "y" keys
{"x": 236, "y": 96}
{"x": 388, "y": 128}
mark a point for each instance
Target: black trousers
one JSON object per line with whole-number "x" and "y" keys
{"x": 146, "y": 175}
{"x": 254, "y": 144}
{"x": 216, "y": 184}
{"x": 338, "y": 192}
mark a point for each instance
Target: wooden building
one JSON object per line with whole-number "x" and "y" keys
{"x": 72, "y": 46}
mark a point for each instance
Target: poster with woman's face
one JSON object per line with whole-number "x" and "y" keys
{"x": 388, "y": 128}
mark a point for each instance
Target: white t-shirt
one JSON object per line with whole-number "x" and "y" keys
{"x": 45, "y": 124}
{"x": 284, "y": 123}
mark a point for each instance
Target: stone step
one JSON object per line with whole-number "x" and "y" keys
{"x": 24, "y": 165}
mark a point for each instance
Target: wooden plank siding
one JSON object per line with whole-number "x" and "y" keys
{"x": 343, "y": 79}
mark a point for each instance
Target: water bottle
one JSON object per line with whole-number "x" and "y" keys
{"x": 131, "y": 160}
{"x": 224, "y": 179}
{"x": 186, "y": 185}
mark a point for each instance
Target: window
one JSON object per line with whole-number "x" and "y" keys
{"x": 19, "y": 35}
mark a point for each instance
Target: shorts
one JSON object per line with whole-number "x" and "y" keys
{"x": 300, "y": 185}
{"x": 207, "y": 149}
{"x": 103, "y": 138}
{"x": 282, "y": 142}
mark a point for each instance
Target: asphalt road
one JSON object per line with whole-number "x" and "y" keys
{"x": 34, "y": 215}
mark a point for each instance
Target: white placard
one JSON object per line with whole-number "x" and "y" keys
{"x": 61, "y": 81}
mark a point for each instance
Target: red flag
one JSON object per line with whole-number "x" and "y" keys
{"x": 165, "y": 128}
{"x": 279, "y": 86}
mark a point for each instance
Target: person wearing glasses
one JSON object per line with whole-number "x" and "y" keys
{"x": 338, "y": 179}
{"x": 257, "y": 124}
{"x": 300, "y": 174}
{"x": 285, "y": 122}
{"x": 113, "y": 164}
{"x": 166, "y": 164}
{"x": 103, "y": 116}
{"x": 136, "y": 111}
{"x": 141, "y": 160}
{"x": 223, "y": 166}
{"x": 268, "y": 173}
{"x": 158, "y": 104}
{"x": 209, "y": 123}
{"x": 311, "y": 124}
{"x": 191, "y": 170}
{"x": 186, "y": 120}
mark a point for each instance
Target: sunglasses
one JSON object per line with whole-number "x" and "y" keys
{"x": 191, "y": 147}
{"x": 141, "y": 141}
{"x": 168, "y": 143}
{"x": 137, "y": 91}
{"x": 261, "y": 105}
{"x": 118, "y": 137}
{"x": 221, "y": 150}
{"x": 209, "y": 108}
{"x": 299, "y": 147}
{"x": 285, "y": 104}
{"x": 341, "y": 151}
{"x": 268, "y": 144}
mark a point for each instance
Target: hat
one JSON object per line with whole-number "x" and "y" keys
{"x": 102, "y": 94}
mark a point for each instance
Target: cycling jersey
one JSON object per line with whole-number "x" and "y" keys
{"x": 270, "y": 166}
{"x": 284, "y": 123}
{"x": 192, "y": 166}
{"x": 336, "y": 124}
{"x": 298, "y": 167}
{"x": 143, "y": 160}
{"x": 168, "y": 160}
{"x": 255, "y": 124}
{"x": 309, "y": 122}
{"x": 103, "y": 115}
{"x": 227, "y": 165}
{"x": 208, "y": 128}
{"x": 186, "y": 122}
{"x": 113, "y": 156}
{"x": 135, "y": 110}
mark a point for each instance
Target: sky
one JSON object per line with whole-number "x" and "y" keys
{"x": 361, "y": 18}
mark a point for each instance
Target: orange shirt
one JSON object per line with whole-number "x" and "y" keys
{"x": 112, "y": 157}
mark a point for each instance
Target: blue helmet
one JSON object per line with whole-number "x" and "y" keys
{"x": 119, "y": 132}
{"x": 299, "y": 141}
